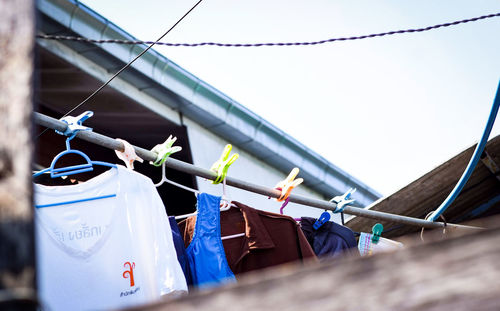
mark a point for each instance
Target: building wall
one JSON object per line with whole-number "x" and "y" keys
{"x": 207, "y": 147}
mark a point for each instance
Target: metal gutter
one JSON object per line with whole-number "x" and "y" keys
{"x": 164, "y": 80}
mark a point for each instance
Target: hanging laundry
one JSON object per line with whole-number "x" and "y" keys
{"x": 329, "y": 240}
{"x": 96, "y": 251}
{"x": 180, "y": 250}
{"x": 270, "y": 239}
{"x": 367, "y": 247}
{"x": 205, "y": 252}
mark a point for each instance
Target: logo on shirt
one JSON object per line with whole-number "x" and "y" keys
{"x": 129, "y": 274}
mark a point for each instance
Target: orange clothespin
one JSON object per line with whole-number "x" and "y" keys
{"x": 286, "y": 186}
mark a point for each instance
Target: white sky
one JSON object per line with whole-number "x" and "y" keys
{"x": 386, "y": 110}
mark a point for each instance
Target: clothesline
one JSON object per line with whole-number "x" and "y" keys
{"x": 147, "y": 155}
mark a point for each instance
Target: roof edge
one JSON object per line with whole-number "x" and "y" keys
{"x": 159, "y": 77}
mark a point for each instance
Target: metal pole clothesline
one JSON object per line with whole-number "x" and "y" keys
{"x": 147, "y": 155}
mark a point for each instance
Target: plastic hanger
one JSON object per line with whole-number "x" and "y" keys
{"x": 164, "y": 179}
{"x": 163, "y": 151}
{"x": 225, "y": 202}
{"x": 74, "y": 125}
{"x": 221, "y": 166}
{"x": 227, "y": 207}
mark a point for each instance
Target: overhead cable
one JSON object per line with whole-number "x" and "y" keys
{"x": 118, "y": 41}
{"x": 127, "y": 65}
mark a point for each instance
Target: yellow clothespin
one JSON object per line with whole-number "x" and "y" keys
{"x": 222, "y": 165}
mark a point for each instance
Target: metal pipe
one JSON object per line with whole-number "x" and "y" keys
{"x": 147, "y": 155}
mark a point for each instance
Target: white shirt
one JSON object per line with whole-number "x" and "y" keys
{"x": 105, "y": 253}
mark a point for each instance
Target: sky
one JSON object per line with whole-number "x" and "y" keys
{"x": 385, "y": 110}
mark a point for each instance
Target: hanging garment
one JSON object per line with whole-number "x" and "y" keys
{"x": 330, "y": 240}
{"x": 270, "y": 239}
{"x": 367, "y": 247}
{"x": 207, "y": 259}
{"x": 180, "y": 250}
{"x": 107, "y": 253}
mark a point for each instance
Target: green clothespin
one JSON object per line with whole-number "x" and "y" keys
{"x": 377, "y": 232}
{"x": 164, "y": 150}
{"x": 221, "y": 166}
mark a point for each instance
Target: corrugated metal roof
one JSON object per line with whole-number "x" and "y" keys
{"x": 164, "y": 80}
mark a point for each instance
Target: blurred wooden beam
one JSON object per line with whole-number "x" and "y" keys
{"x": 460, "y": 273}
{"x": 17, "y": 274}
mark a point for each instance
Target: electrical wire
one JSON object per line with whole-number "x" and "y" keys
{"x": 118, "y": 41}
{"x": 126, "y": 66}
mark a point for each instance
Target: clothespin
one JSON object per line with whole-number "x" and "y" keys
{"x": 165, "y": 150}
{"x": 323, "y": 218}
{"x": 286, "y": 186}
{"x": 75, "y": 124}
{"x": 343, "y": 200}
{"x": 128, "y": 155}
{"x": 222, "y": 165}
{"x": 377, "y": 232}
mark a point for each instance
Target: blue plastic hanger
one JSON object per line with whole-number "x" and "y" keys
{"x": 74, "y": 125}
{"x": 71, "y": 170}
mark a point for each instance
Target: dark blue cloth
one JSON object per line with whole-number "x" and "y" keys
{"x": 207, "y": 259}
{"x": 330, "y": 240}
{"x": 180, "y": 250}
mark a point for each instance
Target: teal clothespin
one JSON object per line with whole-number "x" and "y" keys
{"x": 221, "y": 166}
{"x": 377, "y": 232}
{"x": 164, "y": 150}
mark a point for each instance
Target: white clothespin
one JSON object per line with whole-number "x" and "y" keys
{"x": 343, "y": 200}
{"x": 75, "y": 124}
{"x": 128, "y": 155}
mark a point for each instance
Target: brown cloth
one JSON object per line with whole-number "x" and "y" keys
{"x": 270, "y": 239}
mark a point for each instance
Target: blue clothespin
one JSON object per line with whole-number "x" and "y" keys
{"x": 377, "y": 232}
{"x": 75, "y": 124}
{"x": 343, "y": 200}
{"x": 323, "y": 218}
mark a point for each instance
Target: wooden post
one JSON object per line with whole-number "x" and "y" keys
{"x": 17, "y": 273}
